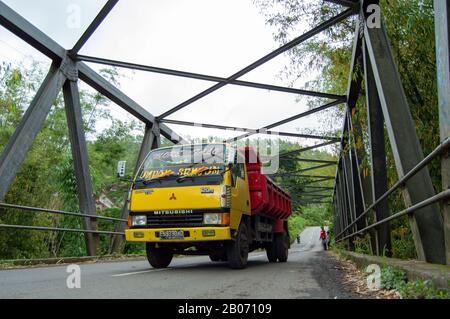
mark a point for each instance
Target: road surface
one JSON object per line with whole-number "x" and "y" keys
{"x": 309, "y": 273}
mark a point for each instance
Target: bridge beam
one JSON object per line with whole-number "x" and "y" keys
{"x": 358, "y": 197}
{"x": 81, "y": 164}
{"x": 242, "y": 129}
{"x": 32, "y": 121}
{"x": 349, "y": 192}
{"x": 341, "y": 200}
{"x": 442, "y": 25}
{"x": 344, "y": 200}
{"x": 303, "y": 170}
{"x": 295, "y": 152}
{"x": 363, "y": 189}
{"x": 378, "y": 174}
{"x": 426, "y": 223}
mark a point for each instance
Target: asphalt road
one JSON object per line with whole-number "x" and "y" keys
{"x": 309, "y": 273}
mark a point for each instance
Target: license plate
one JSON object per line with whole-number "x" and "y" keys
{"x": 171, "y": 234}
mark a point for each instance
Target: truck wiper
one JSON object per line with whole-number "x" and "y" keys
{"x": 148, "y": 181}
{"x": 183, "y": 178}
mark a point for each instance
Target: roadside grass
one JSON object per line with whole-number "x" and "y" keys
{"x": 6, "y": 265}
{"x": 393, "y": 278}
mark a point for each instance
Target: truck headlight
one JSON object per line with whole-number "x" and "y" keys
{"x": 212, "y": 218}
{"x": 139, "y": 220}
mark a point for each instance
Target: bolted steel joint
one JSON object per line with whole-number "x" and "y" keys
{"x": 155, "y": 129}
{"x": 69, "y": 69}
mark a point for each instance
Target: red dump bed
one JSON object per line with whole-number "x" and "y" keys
{"x": 266, "y": 197}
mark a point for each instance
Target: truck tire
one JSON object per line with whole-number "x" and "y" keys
{"x": 158, "y": 257}
{"x": 282, "y": 244}
{"x": 271, "y": 251}
{"x": 237, "y": 250}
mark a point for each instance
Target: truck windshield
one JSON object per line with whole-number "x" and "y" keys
{"x": 171, "y": 163}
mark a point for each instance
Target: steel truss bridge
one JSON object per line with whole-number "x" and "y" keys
{"x": 359, "y": 202}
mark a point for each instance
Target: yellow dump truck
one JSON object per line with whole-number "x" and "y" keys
{"x": 207, "y": 199}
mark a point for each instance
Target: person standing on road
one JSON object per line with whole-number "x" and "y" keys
{"x": 323, "y": 237}
{"x": 298, "y": 238}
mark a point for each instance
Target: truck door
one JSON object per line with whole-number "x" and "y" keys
{"x": 240, "y": 197}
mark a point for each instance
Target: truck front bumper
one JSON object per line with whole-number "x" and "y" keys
{"x": 190, "y": 234}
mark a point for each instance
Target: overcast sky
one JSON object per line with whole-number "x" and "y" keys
{"x": 204, "y": 36}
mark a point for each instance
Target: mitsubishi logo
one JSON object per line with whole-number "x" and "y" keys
{"x": 172, "y": 197}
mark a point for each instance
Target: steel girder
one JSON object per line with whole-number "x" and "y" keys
{"x": 442, "y": 26}
{"x": 304, "y": 169}
{"x": 80, "y": 162}
{"x": 253, "y": 131}
{"x": 386, "y": 86}
{"x": 288, "y": 154}
{"x": 379, "y": 182}
{"x": 21, "y": 141}
{"x": 426, "y": 223}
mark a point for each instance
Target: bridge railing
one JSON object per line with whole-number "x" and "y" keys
{"x": 61, "y": 212}
{"x": 375, "y": 88}
{"x": 438, "y": 151}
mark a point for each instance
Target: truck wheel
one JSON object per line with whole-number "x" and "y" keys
{"x": 237, "y": 250}
{"x": 271, "y": 251}
{"x": 282, "y": 244}
{"x": 158, "y": 257}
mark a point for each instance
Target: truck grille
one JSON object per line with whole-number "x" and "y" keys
{"x": 191, "y": 220}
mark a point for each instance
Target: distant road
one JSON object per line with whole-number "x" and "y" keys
{"x": 309, "y": 273}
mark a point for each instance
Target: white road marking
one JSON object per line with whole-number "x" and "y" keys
{"x": 140, "y": 272}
